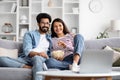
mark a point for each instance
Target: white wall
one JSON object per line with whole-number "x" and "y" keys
{"x": 93, "y": 23}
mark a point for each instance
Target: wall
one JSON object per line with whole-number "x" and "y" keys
{"x": 93, "y": 23}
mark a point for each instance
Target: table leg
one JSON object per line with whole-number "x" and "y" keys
{"x": 109, "y": 78}
{"x": 47, "y": 78}
{"x": 93, "y": 79}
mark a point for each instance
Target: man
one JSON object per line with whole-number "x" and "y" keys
{"x": 36, "y": 44}
{"x": 36, "y": 48}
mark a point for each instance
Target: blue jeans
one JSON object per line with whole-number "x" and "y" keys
{"x": 36, "y": 61}
{"x": 37, "y": 66}
{"x": 9, "y": 62}
{"x": 62, "y": 65}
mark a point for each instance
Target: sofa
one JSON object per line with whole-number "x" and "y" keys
{"x": 9, "y": 73}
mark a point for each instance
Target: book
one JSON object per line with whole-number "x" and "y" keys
{"x": 14, "y": 7}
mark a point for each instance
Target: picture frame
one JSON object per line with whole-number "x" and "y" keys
{"x": 74, "y": 30}
{"x": 23, "y": 31}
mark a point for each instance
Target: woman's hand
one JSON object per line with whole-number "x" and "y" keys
{"x": 59, "y": 58}
{"x": 61, "y": 44}
{"x": 58, "y": 54}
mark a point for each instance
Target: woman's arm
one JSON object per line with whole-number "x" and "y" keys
{"x": 66, "y": 46}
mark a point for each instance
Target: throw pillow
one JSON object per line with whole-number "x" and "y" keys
{"x": 116, "y": 54}
{"x": 12, "y": 53}
{"x": 116, "y": 63}
{"x": 117, "y": 49}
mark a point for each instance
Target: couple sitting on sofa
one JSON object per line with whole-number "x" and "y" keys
{"x": 38, "y": 45}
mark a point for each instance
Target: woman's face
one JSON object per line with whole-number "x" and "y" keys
{"x": 58, "y": 28}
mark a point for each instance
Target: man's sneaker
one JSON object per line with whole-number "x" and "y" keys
{"x": 75, "y": 67}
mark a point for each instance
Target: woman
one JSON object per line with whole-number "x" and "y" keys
{"x": 72, "y": 45}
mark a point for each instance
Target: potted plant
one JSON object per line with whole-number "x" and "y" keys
{"x": 103, "y": 34}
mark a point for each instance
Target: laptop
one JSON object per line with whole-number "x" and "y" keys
{"x": 96, "y": 61}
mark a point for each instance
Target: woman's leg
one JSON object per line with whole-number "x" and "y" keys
{"x": 78, "y": 47}
{"x": 69, "y": 59}
{"x": 53, "y": 63}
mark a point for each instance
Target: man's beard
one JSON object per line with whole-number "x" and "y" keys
{"x": 44, "y": 29}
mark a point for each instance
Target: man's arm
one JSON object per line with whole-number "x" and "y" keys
{"x": 27, "y": 44}
{"x": 32, "y": 54}
{"x": 43, "y": 54}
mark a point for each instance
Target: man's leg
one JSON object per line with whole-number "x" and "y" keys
{"x": 37, "y": 66}
{"x": 9, "y": 62}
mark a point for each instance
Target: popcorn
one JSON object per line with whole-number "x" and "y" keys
{"x": 58, "y": 54}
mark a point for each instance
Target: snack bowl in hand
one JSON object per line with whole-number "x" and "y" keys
{"x": 58, "y": 54}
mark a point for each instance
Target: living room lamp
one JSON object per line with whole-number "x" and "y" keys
{"x": 116, "y": 26}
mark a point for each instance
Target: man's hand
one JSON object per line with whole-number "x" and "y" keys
{"x": 43, "y": 54}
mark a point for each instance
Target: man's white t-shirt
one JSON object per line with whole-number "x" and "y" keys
{"x": 43, "y": 44}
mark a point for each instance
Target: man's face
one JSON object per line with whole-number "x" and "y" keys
{"x": 44, "y": 25}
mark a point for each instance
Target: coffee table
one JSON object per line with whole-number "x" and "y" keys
{"x": 69, "y": 75}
